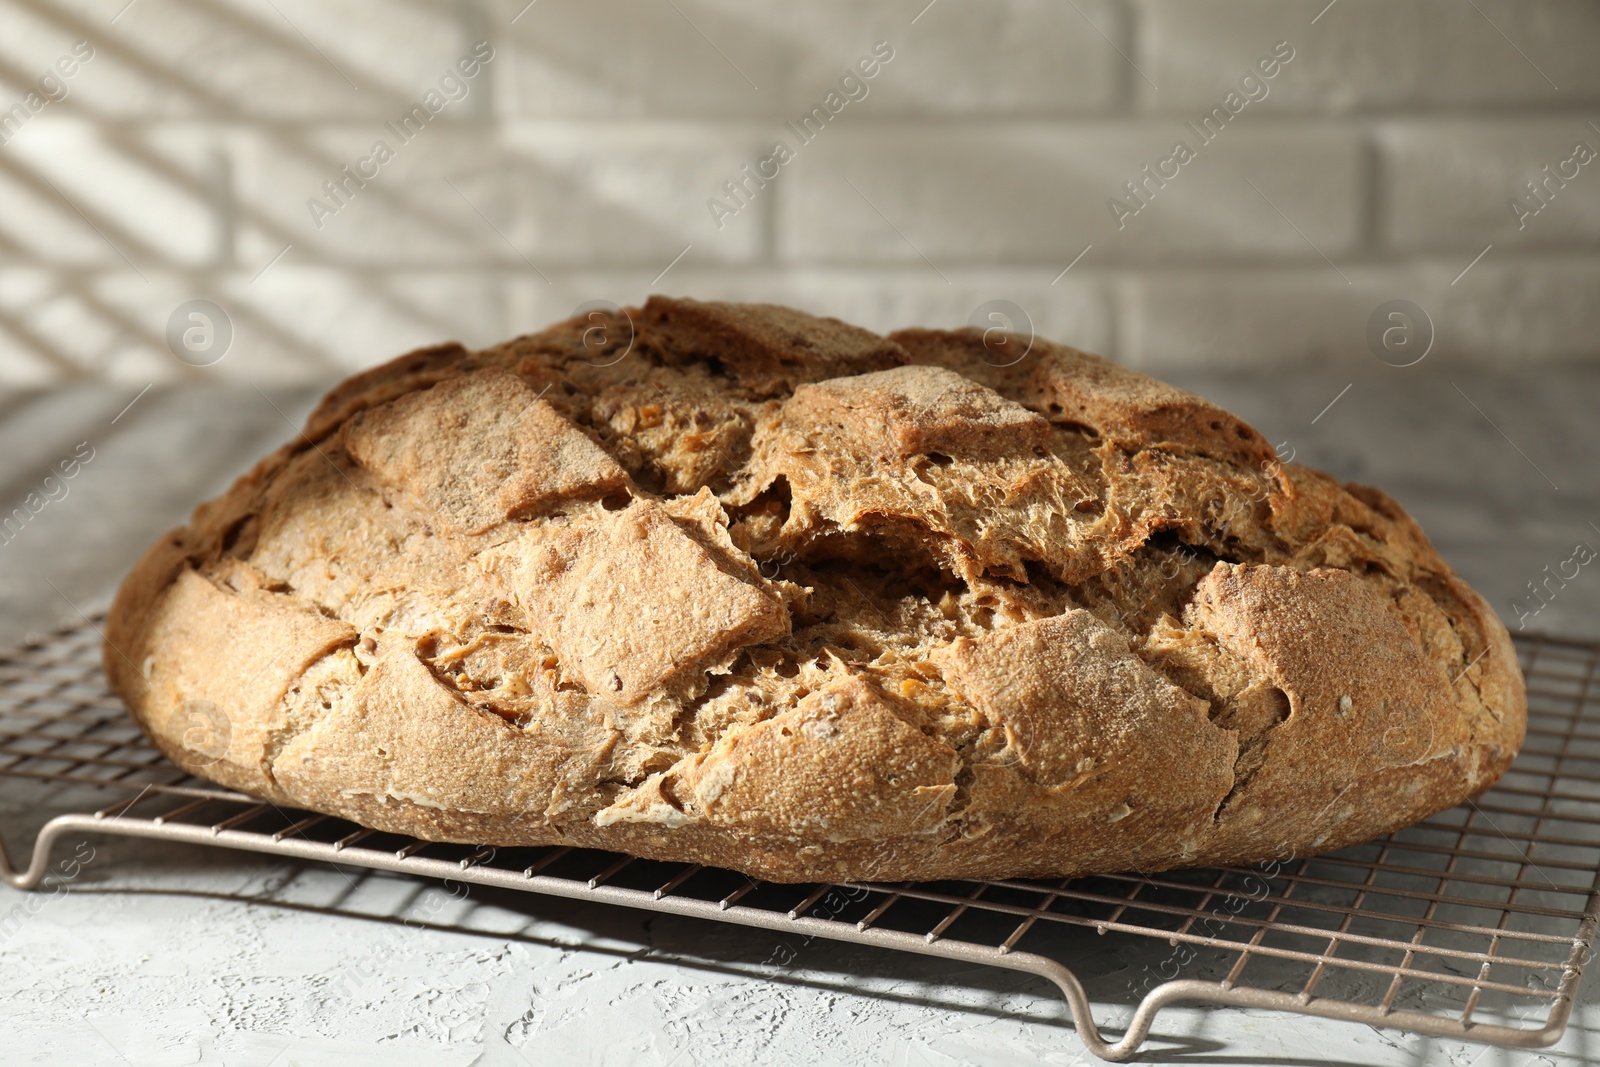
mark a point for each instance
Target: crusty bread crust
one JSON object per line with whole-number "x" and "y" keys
{"x": 741, "y": 586}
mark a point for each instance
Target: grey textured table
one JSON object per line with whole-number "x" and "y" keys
{"x": 171, "y": 955}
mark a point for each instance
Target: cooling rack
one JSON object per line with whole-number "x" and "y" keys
{"x": 1474, "y": 924}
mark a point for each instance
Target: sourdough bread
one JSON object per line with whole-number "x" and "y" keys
{"x": 738, "y": 585}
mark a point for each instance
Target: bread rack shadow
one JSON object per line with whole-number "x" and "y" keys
{"x": 1474, "y": 924}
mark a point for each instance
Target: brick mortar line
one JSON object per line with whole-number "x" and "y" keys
{"x": 758, "y": 123}
{"x": 1162, "y": 262}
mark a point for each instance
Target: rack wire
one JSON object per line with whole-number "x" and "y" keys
{"x": 1473, "y": 924}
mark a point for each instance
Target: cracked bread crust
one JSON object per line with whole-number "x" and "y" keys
{"x": 769, "y": 592}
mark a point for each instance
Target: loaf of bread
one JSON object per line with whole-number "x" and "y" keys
{"x": 737, "y": 585}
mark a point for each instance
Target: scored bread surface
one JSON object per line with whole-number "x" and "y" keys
{"x": 737, "y": 585}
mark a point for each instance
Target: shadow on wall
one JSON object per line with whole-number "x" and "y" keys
{"x": 201, "y": 181}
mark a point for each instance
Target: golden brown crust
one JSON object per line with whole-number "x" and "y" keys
{"x": 520, "y": 457}
{"x": 738, "y": 585}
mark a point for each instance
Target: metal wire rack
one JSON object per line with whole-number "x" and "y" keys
{"x": 1473, "y": 924}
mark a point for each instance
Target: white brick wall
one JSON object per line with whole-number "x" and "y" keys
{"x": 1381, "y": 160}
{"x": 1037, "y": 193}
{"x": 1374, "y": 55}
{"x": 1451, "y": 183}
